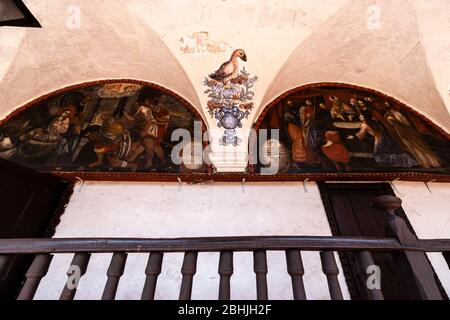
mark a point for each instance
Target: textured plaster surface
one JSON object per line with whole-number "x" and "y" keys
{"x": 400, "y": 48}
{"x": 154, "y": 210}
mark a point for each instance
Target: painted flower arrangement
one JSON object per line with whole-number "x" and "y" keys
{"x": 230, "y": 96}
{"x": 236, "y": 93}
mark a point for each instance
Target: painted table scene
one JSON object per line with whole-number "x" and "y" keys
{"x": 344, "y": 130}
{"x": 112, "y": 127}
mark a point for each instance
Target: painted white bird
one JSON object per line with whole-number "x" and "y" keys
{"x": 230, "y": 69}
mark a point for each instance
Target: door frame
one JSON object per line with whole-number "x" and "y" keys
{"x": 10, "y": 282}
{"x": 50, "y": 179}
{"x": 327, "y": 203}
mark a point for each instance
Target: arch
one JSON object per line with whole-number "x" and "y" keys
{"x": 66, "y": 89}
{"x": 100, "y": 129}
{"x": 110, "y": 43}
{"x": 353, "y": 53}
{"x": 376, "y": 144}
{"x": 282, "y": 96}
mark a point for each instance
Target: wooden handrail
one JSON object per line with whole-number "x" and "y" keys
{"x": 213, "y": 244}
{"x": 399, "y": 239}
{"x": 84, "y": 247}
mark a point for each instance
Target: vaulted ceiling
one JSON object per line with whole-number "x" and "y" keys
{"x": 289, "y": 44}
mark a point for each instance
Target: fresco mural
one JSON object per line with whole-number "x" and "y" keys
{"x": 112, "y": 127}
{"x": 331, "y": 129}
{"x": 230, "y": 96}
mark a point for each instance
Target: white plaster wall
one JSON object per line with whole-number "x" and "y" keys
{"x": 268, "y": 30}
{"x": 429, "y": 214}
{"x": 160, "y": 210}
{"x": 219, "y": 209}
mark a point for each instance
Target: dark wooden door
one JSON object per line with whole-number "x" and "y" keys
{"x": 28, "y": 202}
{"x": 349, "y": 213}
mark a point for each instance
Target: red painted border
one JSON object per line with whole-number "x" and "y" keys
{"x": 194, "y": 178}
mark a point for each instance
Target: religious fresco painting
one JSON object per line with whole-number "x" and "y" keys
{"x": 111, "y": 127}
{"x": 342, "y": 130}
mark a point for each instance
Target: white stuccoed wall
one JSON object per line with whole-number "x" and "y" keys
{"x": 218, "y": 209}
{"x": 106, "y": 209}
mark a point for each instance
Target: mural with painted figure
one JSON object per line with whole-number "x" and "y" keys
{"x": 112, "y": 127}
{"x": 334, "y": 129}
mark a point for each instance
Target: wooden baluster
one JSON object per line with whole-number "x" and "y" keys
{"x": 260, "y": 268}
{"x": 296, "y": 271}
{"x": 5, "y": 266}
{"x": 152, "y": 271}
{"x": 331, "y": 270}
{"x": 79, "y": 263}
{"x": 366, "y": 260}
{"x": 225, "y": 272}
{"x": 115, "y": 271}
{"x": 188, "y": 270}
{"x": 423, "y": 273}
{"x": 35, "y": 273}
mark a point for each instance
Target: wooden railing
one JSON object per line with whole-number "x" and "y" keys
{"x": 402, "y": 241}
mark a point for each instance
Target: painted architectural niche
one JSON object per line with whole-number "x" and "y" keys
{"x": 109, "y": 127}
{"x": 342, "y": 130}
{"x": 230, "y": 96}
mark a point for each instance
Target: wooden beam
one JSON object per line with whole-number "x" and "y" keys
{"x": 211, "y": 244}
